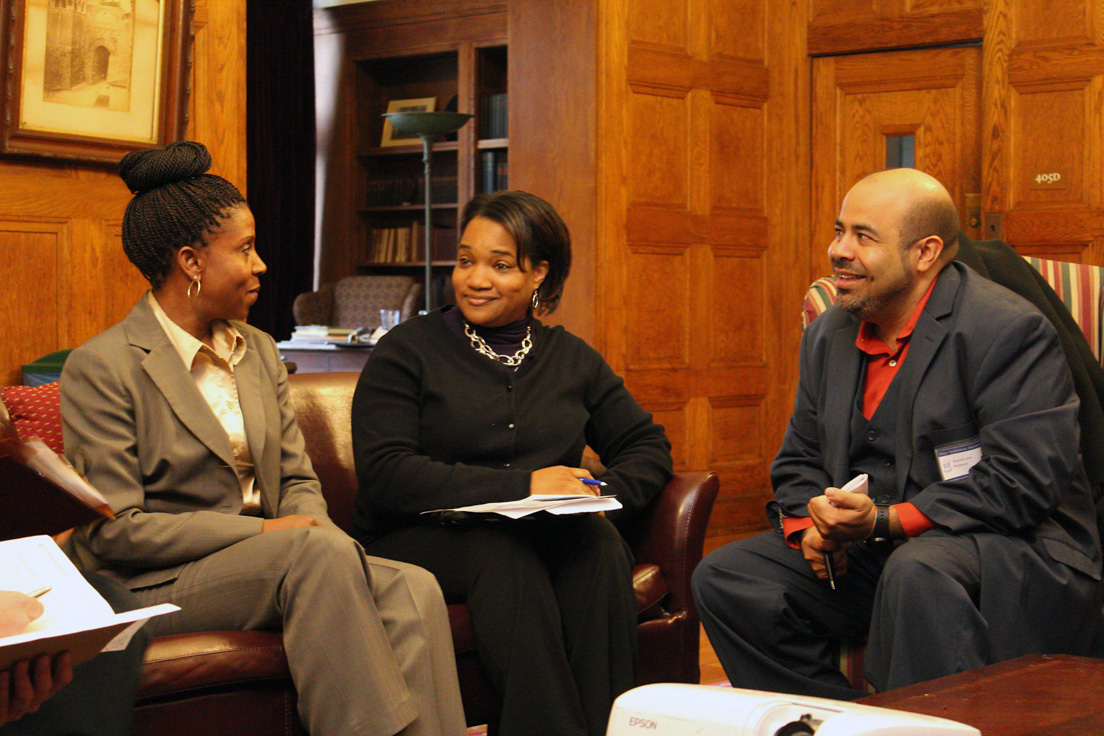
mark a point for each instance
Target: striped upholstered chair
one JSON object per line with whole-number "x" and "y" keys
{"x": 1081, "y": 289}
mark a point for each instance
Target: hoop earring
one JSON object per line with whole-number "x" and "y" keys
{"x": 196, "y": 283}
{"x": 535, "y": 301}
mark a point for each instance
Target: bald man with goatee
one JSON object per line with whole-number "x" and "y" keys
{"x": 975, "y": 540}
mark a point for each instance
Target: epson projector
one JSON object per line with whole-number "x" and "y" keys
{"x": 703, "y": 710}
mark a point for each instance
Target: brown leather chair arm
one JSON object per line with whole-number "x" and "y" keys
{"x": 671, "y": 532}
{"x": 212, "y": 660}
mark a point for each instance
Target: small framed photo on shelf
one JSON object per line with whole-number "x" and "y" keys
{"x": 390, "y": 137}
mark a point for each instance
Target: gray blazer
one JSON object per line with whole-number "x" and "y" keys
{"x": 137, "y": 427}
{"x": 984, "y": 363}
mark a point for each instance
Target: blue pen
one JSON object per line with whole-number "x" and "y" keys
{"x": 592, "y": 482}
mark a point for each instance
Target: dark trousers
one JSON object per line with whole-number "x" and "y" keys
{"x": 938, "y": 604}
{"x": 100, "y": 699}
{"x": 553, "y": 609}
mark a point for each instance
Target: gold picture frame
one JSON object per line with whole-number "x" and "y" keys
{"x": 93, "y": 79}
{"x": 421, "y": 104}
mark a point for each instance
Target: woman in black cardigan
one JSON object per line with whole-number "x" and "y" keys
{"x": 480, "y": 402}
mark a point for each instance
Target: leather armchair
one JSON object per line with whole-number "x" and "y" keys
{"x": 237, "y": 682}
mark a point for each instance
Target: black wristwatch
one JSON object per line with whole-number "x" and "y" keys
{"x": 880, "y": 533}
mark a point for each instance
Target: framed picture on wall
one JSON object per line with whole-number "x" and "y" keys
{"x": 93, "y": 79}
{"x": 390, "y": 137}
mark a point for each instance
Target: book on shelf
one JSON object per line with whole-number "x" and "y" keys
{"x": 391, "y": 190}
{"x": 494, "y": 165}
{"x": 494, "y": 115}
{"x": 397, "y": 190}
{"x": 41, "y": 492}
{"x": 76, "y": 618}
{"x": 405, "y": 244}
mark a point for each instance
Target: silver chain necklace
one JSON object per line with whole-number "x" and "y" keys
{"x": 514, "y": 360}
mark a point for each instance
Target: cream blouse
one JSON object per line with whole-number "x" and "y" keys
{"x": 213, "y": 372}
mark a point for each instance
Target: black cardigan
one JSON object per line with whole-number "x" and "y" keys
{"x": 437, "y": 425}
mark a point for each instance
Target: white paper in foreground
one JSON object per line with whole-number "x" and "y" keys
{"x": 72, "y": 605}
{"x": 579, "y": 504}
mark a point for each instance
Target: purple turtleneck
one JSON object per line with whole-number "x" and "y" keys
{"x": 504, "y": 340}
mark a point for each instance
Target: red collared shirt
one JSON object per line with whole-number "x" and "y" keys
{"x": 882, "y": 365}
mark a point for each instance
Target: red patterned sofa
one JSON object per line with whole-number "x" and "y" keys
{"x": 237, "y": 682}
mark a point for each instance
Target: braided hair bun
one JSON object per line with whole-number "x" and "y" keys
{"x": 144, "y": 170}
{"x": 176, "y": 203}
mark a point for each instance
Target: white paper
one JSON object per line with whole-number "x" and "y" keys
{"x": 858, "y": 484}
{"x": 553, "y": 504}
{"x": 71, "y": 605}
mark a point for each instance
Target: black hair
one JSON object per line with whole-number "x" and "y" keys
{"x": 539, "y": 232}
{"x": 176, "y": 203}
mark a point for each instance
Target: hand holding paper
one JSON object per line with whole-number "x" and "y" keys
{"x": 843, "y": 515}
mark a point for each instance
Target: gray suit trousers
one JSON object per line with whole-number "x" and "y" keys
{"x": 367, "y": 639}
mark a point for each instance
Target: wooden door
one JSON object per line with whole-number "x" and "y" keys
{"x": 863, "y": 104}
{"x": 1044, "y": 127}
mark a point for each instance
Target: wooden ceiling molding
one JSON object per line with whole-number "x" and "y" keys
{"x": 850, "y": 26}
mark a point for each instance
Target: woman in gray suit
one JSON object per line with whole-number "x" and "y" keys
{"x": 179, "y": 415}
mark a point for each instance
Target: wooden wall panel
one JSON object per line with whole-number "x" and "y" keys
{"x": 1057, "y": 117}
{"x": 736, "y": 136}
{"x": 1044, "y": 21}
{"x": 65, "y": 273}
{"x": 34, "y": 254}
{"x": 736, "y": 334}
{"x": 658, "y": 137}
{"x": 659, "y": 22}
{"x": 736, "y": 28}
{"x": 1044, "y": 113}
{"x": 660, "y": 288}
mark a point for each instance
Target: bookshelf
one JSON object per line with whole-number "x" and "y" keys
{"x": 387, "y": 179}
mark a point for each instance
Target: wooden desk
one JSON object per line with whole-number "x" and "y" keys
{"x": 328, "y": 360}
{"x": 1037, "y": 695}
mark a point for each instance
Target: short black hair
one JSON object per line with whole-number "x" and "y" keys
{"x": 539, "y": 232}
{"x": 176, "y": 203}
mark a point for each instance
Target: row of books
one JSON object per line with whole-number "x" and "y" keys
{"x": 399, "y": 189}
{"x": 493, "y": 172}
{"x": 493, "y": 116}
{"x": 405, "y": 244}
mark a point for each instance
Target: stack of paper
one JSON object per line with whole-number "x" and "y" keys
{"x": 579, "y": 504}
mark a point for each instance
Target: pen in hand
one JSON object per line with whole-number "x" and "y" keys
{"x": 830, "y": 568}
{"x": 858, "y": 484}
{"x": 40, "y": 592}
{"x": 592, "y": 482}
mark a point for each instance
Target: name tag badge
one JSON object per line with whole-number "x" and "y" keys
{"x": 956, "y": 458}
